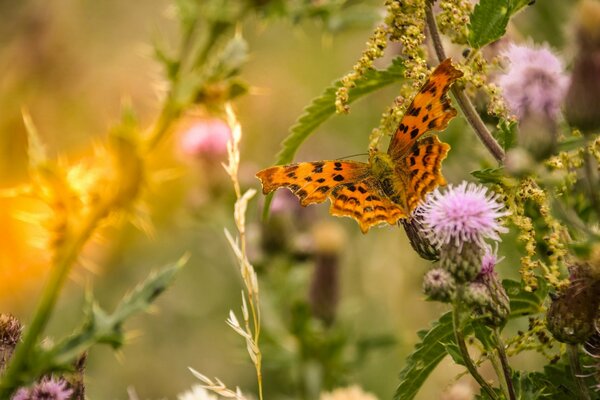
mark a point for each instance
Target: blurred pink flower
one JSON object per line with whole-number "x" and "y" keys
{"x": 22, "y": 394}
{"x": 466, "y": 213}
{"x": 489, "y": 261}
{"x": 205, "y": 138}
{"x": 535, "y": 81}
{"x": 51, "y": 389}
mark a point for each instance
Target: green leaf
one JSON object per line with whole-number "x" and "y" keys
{"x": 488, "y": 22}
{"x": 523, "y": 302}
{"x": 489, "y": 175}
{"x": 507, "y": 134}
{"x": 102, "y": 327}
{"x": 454, "y": 352}
{"x": 323, "y": 107}
{"x": 426, "y": 356}
{"x": 484, "y": 335}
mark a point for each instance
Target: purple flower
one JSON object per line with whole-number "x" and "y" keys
{"x": 22, "y": 394}
{"x": 51, "y": 389}
{"x": 467, "y": 213}
{"x": 206, "y": 138}
{"x": 489, "y": 261}
{"x": 535, "y": 81}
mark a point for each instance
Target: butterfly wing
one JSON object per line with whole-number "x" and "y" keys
{"x": 423, "y": 166}
{"x": 312, "y": 182}
{"x": 364, "y": 202}
{"x": 429, "y": 110}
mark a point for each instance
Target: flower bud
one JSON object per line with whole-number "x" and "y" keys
{"x": 572, "y": 315}
{"x": 439, "y": 285}
{"x": 419, "y": 240}
{"x": 477, "y": 295}
{"x": 10, "y": 334}
{"x": 463, "y": 263}
{"x": 582, "y": 106}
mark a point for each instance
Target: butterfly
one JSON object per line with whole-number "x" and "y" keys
{"x": 391, "y": 185}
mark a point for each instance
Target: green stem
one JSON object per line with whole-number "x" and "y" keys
{"x": 573, "y": 352}
{"x": 460, "y": 341}
{"x": 16, "y": 372}
{"x": 505, "y": 367}
{"x": 461, "y": 98}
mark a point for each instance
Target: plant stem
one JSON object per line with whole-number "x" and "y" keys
{"x": 573, "y": 352}
{"x": 461, "y": 98}
{"x": 505, "y": 367}
{"x": 460, "y": 341}
{"x": 14, "y": 375}
{"x": 591, "y": 180}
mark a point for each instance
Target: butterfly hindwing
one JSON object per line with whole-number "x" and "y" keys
{"x": 312, "y": 181}
{"x": 423, "y": 165}
{"x": 364, "y": 202}
{"x": 430, "y": 110}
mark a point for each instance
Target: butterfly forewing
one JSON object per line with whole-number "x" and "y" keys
{"x": 430, "y": 110}
{"x": 312, "y": 182}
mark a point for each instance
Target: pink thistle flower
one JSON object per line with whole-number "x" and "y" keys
{"x": 535, "y": 81}
{"x": 51, "y": 389}
{"x": 22, "y": 394}
{"x": 205, "y": 138}
{"x": 489, "y": 261}
{"x": 467, "y": 213}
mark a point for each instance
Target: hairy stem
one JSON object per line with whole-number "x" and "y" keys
{"x": 573, "y": 352}
{"x": 461, "y": 98}
{"x": 16, "y": 373}
{"x": 460, "y": 341}
{"x": 505, "y": 367}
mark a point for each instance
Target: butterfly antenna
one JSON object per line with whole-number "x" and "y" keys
{"x": 353, "y": 155}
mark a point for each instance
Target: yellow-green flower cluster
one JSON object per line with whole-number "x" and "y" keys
{"x": 536, "y": 338}
{"x": 375, "y": 47}
{"x": 528, "y": 191}
{"x": 453, "y": 20}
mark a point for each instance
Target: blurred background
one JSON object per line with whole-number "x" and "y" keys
{"x": 73, "y": 64}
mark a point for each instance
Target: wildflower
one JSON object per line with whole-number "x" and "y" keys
{"x": 477, "y": 294}
{"x": 348, "y": 393}
{"x": 467, "y": 213}
{"x": 439, "y": 285}
{"x": 534, "y": 83}
{"x": 205, "y": 138}
{"x": 46, "y": 389}
{"x": 582, "y": 104}
{"x": 489, "y": 261}
{"x": 197, "y": 392}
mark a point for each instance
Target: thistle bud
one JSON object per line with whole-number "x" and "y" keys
{"x": 463, "y": 263}
{"x": 477, "y": 295}
{"x": 582, "y": 107}
{"x": 10, "y": 334}
{"x": 572, "y": 314}
{"x": 439, "y": 285}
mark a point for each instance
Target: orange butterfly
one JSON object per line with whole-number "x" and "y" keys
{"x": 391, "y": 184}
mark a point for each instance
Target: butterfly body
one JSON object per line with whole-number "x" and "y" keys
{"x": 392, "y": 183}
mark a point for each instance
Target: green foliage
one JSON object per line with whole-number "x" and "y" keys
{"x": 523, "y": 302}
{"x": 428, "y": 353}
{"x": 507, "y": 134}
{"x": 489, "y": 20}
{"x": 101, "y": 327}
{"x": 489, "y": 175}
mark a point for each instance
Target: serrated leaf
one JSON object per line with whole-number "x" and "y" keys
{"x": 484, "y": 335}
{"x": 454, "y": 352}
{"x": 426, "y": 356}
{"x": 523, "y": 302}
{"x": 323, "y": 107}
{"x": 489, "y": 175}
{"x": 102, "y": 327}
{"x": 488, "y": 22}
{"x": 507, "y": 134}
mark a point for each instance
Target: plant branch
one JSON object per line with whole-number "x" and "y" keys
{"x": 461, "y": 98}
{"x": 576, "y": 370}
{"x": 505, "y": 366}
{"x": 460, "y": 341}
